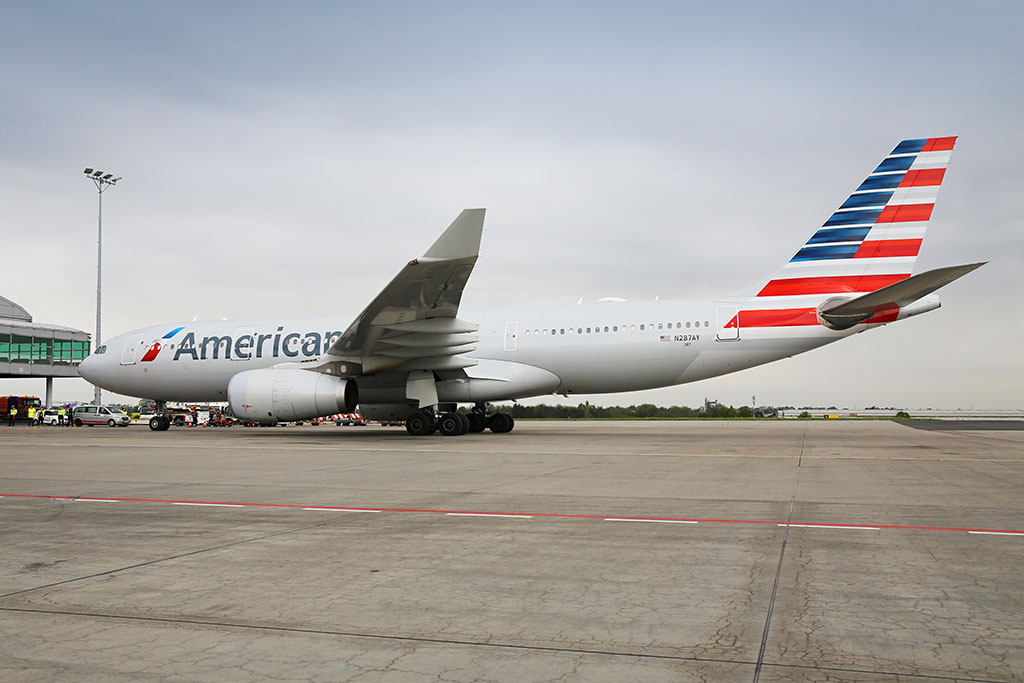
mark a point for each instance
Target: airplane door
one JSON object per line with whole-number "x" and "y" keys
{"x": 728, "y": 322}
{"x": 511, "y": 333}
{"x": 130, "y": 347}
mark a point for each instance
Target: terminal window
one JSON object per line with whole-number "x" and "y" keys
{"x": 15, "y": 348}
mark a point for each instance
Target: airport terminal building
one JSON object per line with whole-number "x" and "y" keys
{"x": 29, "y": 349}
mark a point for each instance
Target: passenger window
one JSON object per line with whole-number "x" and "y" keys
{"x": 563, "y": 330}
{"x": 707, "y": 324}
{"x": 545, "y": 331}
{"x": 687, "y": 325}
{"x": 641, "y": 328}
{"x": 588, "y": 330}
{"x": 554, "y": 331}
{"x": 632, "y": 328}
{"x": 659, "y": 326}
{"x": 678, "y": 325}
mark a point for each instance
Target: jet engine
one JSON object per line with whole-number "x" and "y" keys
{"x": 283, "y": 395}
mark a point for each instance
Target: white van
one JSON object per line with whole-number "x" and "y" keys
{"x": 101, "y": 415}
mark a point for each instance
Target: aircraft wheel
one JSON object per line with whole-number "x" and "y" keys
{"x": 465, "y": 424}
{"x": 501, "y": 423}
{"x": 451, "y": 424}
{"x": 154, "y": 424}
{"x": 419, "y": 424}
{"x": 476, "y": 423}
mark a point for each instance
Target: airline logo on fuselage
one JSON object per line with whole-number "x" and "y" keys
{"x": 255, "y": 345}
{"x": 154, "y": 350}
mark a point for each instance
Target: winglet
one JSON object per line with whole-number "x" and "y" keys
{"x": 461, "y": 239}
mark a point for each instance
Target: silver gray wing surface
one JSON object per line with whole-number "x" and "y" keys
{"x": 412, "y": 322}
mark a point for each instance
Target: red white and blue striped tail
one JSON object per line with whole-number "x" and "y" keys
{"x": 872, "y": 239}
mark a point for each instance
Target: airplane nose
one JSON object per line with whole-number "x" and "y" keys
{"x": 87, "y": 368}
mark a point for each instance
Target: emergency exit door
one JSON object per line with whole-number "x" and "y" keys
{"x": 728, "y": 322}
{"x": 511, "y": 333}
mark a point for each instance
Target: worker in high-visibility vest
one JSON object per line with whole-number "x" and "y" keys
{"x": 60, "y": 416}
{"x": 12, "y": 416}
{"x": 31, "y": 415}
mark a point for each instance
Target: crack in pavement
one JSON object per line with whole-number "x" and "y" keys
{"x": 475, "y": 643}
{"x": 158, "y": 560}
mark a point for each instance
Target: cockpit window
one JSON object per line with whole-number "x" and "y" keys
{"x": 102, "y": 349}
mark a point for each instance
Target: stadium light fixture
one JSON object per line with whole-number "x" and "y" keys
{"x": 102, "y": 182}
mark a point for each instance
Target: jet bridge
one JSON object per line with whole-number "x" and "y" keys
{"x": 29, "y": 349}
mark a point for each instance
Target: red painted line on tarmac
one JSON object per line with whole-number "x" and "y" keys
{"x": 491, "y": 513}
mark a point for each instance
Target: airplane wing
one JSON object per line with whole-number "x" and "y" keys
{"x": 895, "y": 296}
{"x": 412, "y": 322}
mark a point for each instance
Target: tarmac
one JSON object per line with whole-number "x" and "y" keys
{"x": 785, "y": 550}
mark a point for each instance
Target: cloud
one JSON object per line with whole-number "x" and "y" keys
{"x": 288, "y": 159}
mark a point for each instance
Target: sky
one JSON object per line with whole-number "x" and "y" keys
{"x": 287, "y": 159}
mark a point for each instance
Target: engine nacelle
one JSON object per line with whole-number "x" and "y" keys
{"x": 284, "y": 395}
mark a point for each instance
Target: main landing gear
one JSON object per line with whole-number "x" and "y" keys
{"x": 427, "y": 421}
{"x": 160, "y": 422}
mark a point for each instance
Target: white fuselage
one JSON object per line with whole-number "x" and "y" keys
{"x": 574, "y": 349}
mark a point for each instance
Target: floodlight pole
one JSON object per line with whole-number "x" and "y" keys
{"x": 102, "y": 182}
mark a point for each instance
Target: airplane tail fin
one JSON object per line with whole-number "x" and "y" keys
{"x": 869, "y": 243}
{"x": 872, "y": 239}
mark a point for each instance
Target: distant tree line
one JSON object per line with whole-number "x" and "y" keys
{"x": 644, "y": 410}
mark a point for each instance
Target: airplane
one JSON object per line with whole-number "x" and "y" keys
{"x": 412, "y": 355}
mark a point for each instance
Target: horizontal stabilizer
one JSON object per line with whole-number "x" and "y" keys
{"x": 896, "y": 296}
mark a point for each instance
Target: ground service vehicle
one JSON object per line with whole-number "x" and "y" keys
{"x": 22, "y": 403}
{"x": 100, "y": 415}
